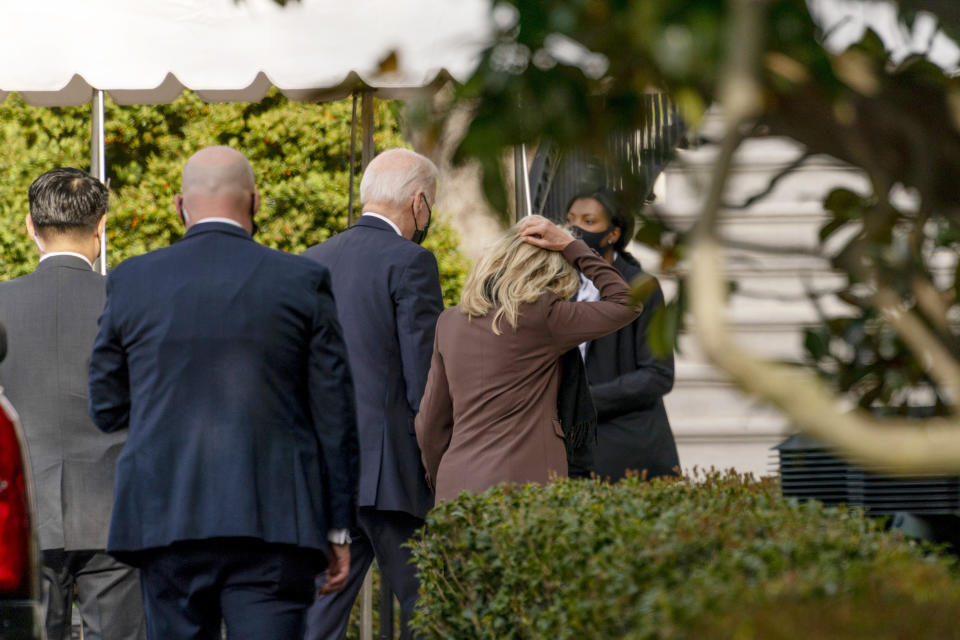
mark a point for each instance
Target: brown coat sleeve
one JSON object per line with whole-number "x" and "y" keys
{"x": 571, "y": 323}
{"x": 434, "y": 422}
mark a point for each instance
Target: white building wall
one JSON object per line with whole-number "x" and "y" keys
{"x": 715, "y": 425}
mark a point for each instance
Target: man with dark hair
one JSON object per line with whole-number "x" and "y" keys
{"x": 226, "y": 361}
{"x": 67, "y": 201}
{"x": 51, "y": 320}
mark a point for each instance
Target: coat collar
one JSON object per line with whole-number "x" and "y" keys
{"x": 70, "y": 262}
{"x": 627, "y": 270}
{"x": 216, "y": 227}
{"x": 374, "y": 223}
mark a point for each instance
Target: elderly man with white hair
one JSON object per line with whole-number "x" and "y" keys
{"x": 388, "y": 297}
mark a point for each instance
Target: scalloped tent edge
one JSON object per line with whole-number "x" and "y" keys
{"x": 65, "y": 53}
{"x": 78, "y": 91}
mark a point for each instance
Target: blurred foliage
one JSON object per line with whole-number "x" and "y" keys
{"x": 300, "y": 153}
{"x": 709, "y": 557}
{"x": 574, "y": 72}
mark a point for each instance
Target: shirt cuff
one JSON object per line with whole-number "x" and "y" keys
{"x": 339, "y": 536}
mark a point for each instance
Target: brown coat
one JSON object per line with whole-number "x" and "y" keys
{"x": 489, "y": 411}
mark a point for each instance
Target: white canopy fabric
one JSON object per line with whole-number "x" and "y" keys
{"x": 56, "y": 52}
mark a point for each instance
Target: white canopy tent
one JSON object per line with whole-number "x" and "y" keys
{"x": 56, "y": 52}
{"x": 68, "y": 53}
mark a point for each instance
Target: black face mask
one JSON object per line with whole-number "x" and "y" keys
{"x": 420, "y": 234}
{"x": 593, "y": 238}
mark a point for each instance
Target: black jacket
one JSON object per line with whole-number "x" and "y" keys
{"x": 628, "y": 384}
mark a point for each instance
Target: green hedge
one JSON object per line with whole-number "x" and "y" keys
{"x": 722, "y": 556}
{"x": 300, "y": 153}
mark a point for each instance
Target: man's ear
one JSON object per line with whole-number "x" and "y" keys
{"x": 101, "y": 225}
{"x": 178, "y": 206}
{"x": 256, "y": 202}
{"x": 31, "y": 230}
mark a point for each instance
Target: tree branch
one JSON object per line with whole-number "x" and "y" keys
{"x": 930, "y": 300}
{"x": 783, "y": 173}
{"x": 933, "y": 356}
{"x": 891, "y": 444}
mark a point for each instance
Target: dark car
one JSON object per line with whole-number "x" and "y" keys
{"x": 20, "y": 614}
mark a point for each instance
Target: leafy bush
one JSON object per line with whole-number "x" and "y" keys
{"x": 300, "y": 153}
{"x": 719, "y": 556}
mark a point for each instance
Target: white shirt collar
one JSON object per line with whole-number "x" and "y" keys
{"x": 66, "y": 253}
{"x": 225, "y": 220}
{"x": 588, "y": 292}
{"x": 385, "y": 219}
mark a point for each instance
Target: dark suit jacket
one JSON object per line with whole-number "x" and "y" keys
{"x": 628, "y": 384}
{"x": 226, "y": 360}
{"x": 489, "y": 414}
{"x": 388, "y": 298}
{"x": 51, "y": 320}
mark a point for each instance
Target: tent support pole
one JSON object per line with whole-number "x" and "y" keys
{"x": 521, "y": 182}
{"x": 366, "y": 607}
{"x": 367, "y": 127}
{"x": 98, "y": 161}
{"x": 366, "y": 591}
{"x": 385, "y": 630}
{"x": 353, "y": 158}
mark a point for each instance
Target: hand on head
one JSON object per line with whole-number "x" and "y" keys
{"x": 542, "y": 233}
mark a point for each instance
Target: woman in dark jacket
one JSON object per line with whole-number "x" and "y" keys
{"x": 626, "y": 381}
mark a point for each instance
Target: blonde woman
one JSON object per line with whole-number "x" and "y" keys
{"x": 489, "y": 411}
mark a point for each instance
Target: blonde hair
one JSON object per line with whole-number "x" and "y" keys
{"x": 512, "y": 272}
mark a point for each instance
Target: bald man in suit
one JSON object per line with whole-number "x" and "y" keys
{"x": 226, "y": 362}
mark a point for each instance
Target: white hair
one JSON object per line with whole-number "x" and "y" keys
{"x": 395, "y": 175}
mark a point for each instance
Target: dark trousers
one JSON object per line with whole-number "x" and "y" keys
{"x": 380, "y": 534}
{"x": 260, "y": 590}
{"x": 108, "y": 592}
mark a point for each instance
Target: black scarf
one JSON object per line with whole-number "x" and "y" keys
{"x": 578, "y": 417}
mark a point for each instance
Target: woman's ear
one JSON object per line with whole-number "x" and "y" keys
{"x": 614, "y": 236}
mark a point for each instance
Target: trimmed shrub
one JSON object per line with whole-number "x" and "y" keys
{"x": 300, "y": 153}
{"x": 713, "y": 557}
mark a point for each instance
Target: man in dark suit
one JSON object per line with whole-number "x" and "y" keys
{"x": 388, "y": 299}
{"x": 51, "y": 320}
{"x": 226, "y": 361}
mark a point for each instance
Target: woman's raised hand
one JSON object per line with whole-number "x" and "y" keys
{"x": 542, "y": 233}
